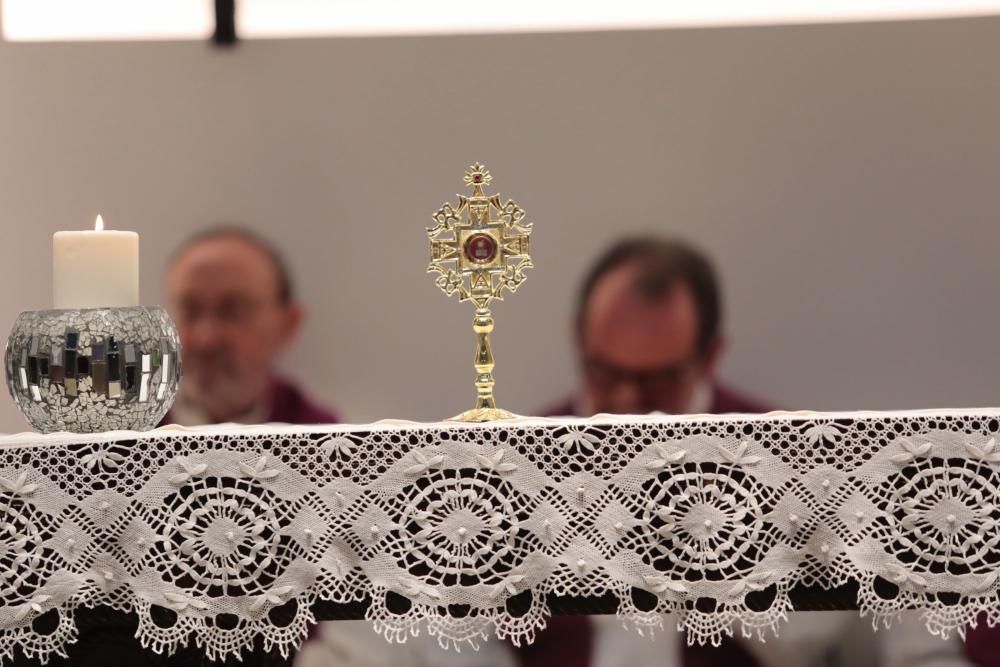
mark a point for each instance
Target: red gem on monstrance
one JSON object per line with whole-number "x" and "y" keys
{"x": 481, "y": 248}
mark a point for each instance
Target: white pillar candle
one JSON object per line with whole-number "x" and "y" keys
{"x": 95, "y": 269}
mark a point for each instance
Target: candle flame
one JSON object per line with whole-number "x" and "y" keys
{"x": 99, "y": 224}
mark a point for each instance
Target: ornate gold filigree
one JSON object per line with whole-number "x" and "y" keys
{"x": 479, "y": 248}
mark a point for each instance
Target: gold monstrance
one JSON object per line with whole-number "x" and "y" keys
{"x": 478, "y": 256}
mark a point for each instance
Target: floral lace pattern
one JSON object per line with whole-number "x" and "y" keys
{"x": 238, "y": 521}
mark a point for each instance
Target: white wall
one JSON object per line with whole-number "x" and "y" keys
{"x": 846, "y": 178}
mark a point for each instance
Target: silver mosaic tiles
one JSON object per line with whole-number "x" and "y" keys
{"x": 93, "y": 370}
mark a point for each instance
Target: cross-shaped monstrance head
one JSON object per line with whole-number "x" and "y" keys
{"x": 479, "y": 247}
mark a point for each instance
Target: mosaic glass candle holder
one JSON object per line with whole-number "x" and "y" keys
{"x": 94, "y": 369}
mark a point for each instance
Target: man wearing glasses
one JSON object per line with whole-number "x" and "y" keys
{"x": 648, "y": 331}
{"x": 649, "y": 335}
{"x": 648, "y": 328}
{"x": 231, "y": 297}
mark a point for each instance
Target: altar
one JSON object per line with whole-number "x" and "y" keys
{"x": 232, "y": 537}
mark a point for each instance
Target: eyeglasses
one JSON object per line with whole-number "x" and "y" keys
{"x": 653, "y": 382}
{"x": 228, "y": 312}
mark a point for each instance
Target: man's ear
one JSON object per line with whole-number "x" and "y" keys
{"x": 292, "y": 322}
{"x": 713, "y": 355}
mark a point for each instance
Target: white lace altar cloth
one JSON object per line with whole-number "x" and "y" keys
{"x": 240, "y": 520}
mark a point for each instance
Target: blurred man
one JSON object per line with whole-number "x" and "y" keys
{"x": 231, "y": 296}
{"x": 648, "y": 334}
{"x": 649, "y": 338}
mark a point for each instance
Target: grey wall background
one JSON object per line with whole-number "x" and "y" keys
{"x": 846, "y": 179}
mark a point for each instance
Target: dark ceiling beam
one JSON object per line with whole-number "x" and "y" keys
{"x": 225, "y": 23}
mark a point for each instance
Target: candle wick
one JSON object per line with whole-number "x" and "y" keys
{"x": 99, "y": 224}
